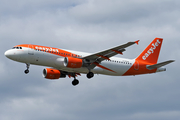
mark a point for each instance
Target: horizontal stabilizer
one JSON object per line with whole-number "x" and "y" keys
{"x": 159, "y": 65}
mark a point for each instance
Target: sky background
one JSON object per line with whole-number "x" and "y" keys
{"x": 90, "y": 26}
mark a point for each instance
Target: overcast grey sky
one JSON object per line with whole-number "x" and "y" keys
{"x": 91, "y": 26}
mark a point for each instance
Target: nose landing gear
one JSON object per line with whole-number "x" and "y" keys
{"x": 27, "y": 70}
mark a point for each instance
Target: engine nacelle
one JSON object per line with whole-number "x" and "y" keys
{"x": 50, "y": 73}
{"x": 73, "y": 62}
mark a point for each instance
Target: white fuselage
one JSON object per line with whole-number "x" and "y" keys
{"x": 36, "y": 57}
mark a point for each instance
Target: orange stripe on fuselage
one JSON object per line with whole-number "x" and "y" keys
{"x": 50, "y": 50}
{"x": 97, "y": 64}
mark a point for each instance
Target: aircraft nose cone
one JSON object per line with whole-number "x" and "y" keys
{"x": 8, "y": 54}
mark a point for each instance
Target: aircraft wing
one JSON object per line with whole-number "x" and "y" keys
{"x": 106, "y": 54}
{"x": 159, "y": 65}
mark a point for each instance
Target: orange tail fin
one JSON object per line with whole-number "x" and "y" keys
{"x": 151, "y": 53}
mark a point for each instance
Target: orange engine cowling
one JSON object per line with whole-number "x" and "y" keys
{"x": 50, "y": 73}
{"x": 73, "y": 62}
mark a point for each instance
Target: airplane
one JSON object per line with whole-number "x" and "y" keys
{"x": 63, "y": 63}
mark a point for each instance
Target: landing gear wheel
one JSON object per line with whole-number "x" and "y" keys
{"x": 26, "y": 71}
{"x": 75, "y": 82}
{"x": 90, "y": 75}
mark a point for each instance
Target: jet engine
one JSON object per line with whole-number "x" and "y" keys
{"x": 73, "y": 62}
{"x": 50, "y": 73}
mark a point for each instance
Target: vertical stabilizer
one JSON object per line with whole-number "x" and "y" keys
{"x": 151, "y": 53}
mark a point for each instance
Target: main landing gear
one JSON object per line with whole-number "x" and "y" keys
{"x": 76, "y": 82}
{"x": 90, "y": 75}
{"x": 27, "y": 70}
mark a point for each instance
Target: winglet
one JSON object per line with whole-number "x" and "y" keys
{"x": 137, "y": 42}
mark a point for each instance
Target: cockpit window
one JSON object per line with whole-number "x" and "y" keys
{"x": 17, "y": 48}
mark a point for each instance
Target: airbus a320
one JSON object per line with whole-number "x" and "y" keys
{"x": 63, "y": 63}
